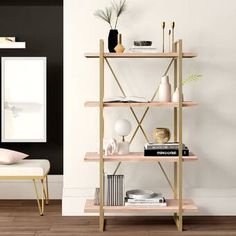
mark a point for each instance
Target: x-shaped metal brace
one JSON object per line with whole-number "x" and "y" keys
{"x": 139, "y": 122}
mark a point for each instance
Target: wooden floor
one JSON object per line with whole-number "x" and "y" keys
{"x": 21, "y": 218}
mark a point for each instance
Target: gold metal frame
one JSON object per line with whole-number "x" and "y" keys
{"x": 43, "y": 180}
{"x": 177, "y": 185}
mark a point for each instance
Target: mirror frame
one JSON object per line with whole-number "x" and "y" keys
{"x": 3, "y": 139}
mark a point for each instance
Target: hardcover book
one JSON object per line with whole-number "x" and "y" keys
{"x": 165, "y": 152}
{"x": 170, "y": 145}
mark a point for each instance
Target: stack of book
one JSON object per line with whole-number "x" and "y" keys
{"x": 113, "y": 191}
{"x": 149, "y": 202}
{"x": 143, "y": 49}
{"x": 166, "y": 149}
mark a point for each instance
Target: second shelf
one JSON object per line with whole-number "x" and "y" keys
{"x": 136, "y": 157}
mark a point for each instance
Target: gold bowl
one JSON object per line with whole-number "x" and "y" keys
{"x": 161, "y": 135}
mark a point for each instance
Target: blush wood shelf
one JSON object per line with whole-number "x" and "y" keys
{"x": 139, "y": 104}
{"x": 172, "y": 207}
{"x": 178, "y": 205}
{"x": 141, "y": 55}
{"x": 136, "y": 157}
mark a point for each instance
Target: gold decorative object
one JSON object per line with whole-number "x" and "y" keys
{"x": 161, "y": 135}
{"x": 119, "y": 47}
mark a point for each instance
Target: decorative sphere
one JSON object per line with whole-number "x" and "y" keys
{"x": 123, "y": 127}
{"x": 161, "y": 135}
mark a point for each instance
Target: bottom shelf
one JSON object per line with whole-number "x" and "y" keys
{"x": 172, "y": 207}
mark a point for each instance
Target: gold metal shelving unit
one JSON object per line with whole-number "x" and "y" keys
{"x": 177, "y": 205}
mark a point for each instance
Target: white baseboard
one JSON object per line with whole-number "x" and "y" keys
{"x": 209, "y": 201}
{"x": 24, "y": 189}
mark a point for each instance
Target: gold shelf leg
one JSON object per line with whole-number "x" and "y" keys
{"x": 101, "y": 136}
{"x": 175, "y": 130}
{"x": 180, "y": 168}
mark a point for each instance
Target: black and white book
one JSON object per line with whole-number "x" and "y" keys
{"x": 165, "y": 152}
{"x": 148, "y": 200}
{"x": 142, "y": 49}
{"x": 146, "y": 204}
{"x": 155, "y": 202}
{"x": 170, "y": 145}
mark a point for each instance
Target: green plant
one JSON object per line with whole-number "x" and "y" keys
{"x": 116, "y": 8}
{"x": 192, "y": 78}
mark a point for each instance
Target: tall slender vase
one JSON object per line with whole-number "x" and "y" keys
{"x": 112, "y": 40}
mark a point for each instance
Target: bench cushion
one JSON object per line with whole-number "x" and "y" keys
{"x": 26, "y": 168}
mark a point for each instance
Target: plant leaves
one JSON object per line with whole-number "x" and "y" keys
{"x": 192, "y": 78}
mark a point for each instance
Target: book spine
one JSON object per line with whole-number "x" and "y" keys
{"x": 105, "y": 190}
{"x": 120, "y": 191}
{"x": 115, "y": 177}
{"x": 109, "y": 190}
{"x": 113, "y": 190}
{"x": 96, "y": 197}
{"x": 117, "y": 188}
{"x": 156, "y": 200}
{"x": 171, "y": 152}
{"x": 163, "y": 146}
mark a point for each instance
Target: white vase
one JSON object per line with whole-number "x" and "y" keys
{"x": 175, "y": 97}
{"x": 164, "y": 90}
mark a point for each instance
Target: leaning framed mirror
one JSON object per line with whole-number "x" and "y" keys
{"x": 23, "y": 110}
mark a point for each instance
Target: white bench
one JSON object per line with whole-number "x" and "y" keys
{"x": 36, "y": 170}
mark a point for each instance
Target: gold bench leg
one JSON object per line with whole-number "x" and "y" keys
{"x": 47, "y": 191}
{"x": 44, "y": 195}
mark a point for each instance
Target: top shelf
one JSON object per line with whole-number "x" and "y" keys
{"x": 141, "y": 55}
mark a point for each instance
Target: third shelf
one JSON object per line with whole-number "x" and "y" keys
{"x": 140, "y": 104}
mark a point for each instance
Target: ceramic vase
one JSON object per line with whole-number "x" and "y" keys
{"x": 175, "y": 96}
{"x": 119, "y": 47}
{"x": 112, "y": 40}
{"x": 164, "y": 90}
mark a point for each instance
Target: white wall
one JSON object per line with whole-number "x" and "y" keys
{"x": 206, "y": 27}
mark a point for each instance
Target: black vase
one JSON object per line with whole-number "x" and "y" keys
{"x": 112, "y": 40}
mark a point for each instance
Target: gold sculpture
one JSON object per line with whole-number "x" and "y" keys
{"x": 161, "y": 135}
